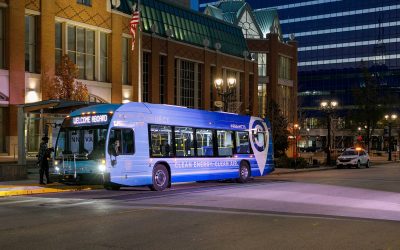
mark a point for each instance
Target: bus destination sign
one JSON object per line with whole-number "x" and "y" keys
{"x": 90, "y": 120}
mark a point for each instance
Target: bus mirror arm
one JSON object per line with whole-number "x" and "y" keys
{"x": 114, "y": 162}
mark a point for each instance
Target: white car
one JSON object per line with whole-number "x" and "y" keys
{"x": 353, "y": 157}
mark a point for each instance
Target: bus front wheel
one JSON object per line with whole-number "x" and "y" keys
{"x": 160, "y": 178}
{"x": 244, "y": 172}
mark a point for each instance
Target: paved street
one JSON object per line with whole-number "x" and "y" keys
{"x": 332, "y": 209}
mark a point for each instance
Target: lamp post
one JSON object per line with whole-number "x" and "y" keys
{"x": 295, "y": 132}
{"x": 225, "y": 91}
{"x": 390, "y": 119}
{"x": 328, "y": 107}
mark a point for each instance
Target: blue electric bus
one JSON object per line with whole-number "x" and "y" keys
{"x": 143, "y": 144}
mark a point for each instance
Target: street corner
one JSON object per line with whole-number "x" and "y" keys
{"x": 31, "y": 189}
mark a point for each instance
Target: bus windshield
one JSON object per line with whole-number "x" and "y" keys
{"x": 86, "y": 143}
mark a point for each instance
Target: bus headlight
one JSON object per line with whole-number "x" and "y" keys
{"x": 102, "y": 168}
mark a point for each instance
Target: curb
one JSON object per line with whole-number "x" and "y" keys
{"x": 302, "y": 170}
{"x": 10, "y": 190}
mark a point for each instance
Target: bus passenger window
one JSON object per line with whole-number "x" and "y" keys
{"x": 128, "y": 146}
{"x": 242, "y": 142}
{"x": 225, "y": 142}
{"x": 205, "y": 144}
{"x": 121, "y": 142}
{"x": 114, "y": 142}
{"x": 184, "y": 141}
{"x": 161, "y": 141}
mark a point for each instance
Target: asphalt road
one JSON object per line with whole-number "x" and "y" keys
{"x": 333, "y": 209}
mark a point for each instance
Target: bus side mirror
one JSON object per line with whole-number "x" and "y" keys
{"x": 113, "y": 162}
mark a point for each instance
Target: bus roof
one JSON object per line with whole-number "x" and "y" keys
{"x": 188, "y": 113}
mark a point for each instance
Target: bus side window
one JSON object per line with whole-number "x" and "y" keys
{"x": 205, "y": 145}
{"x": 184, "y": 141}
{"x": 161, "y": 141}
{"x": 242, "y": 142}
{"x": 114, "y": 142}
{"x": 225, "y": 142}
{"x": 128, "y": 146}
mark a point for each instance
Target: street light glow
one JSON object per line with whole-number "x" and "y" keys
{"x": 231, "y": 82}
{"x": 218, "y": 83}
{"x": 334, "y": 103}
{"x": 324, "y": 104}
{"x": 394, "y": 117}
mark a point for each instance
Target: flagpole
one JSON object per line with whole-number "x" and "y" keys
{"x": 140, "y": 94}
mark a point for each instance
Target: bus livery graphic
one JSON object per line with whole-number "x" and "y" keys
{"x": 259, "y": 141}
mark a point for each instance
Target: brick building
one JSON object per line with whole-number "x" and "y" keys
{"x": 182, "y": 53}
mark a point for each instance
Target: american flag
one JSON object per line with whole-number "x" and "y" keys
{"x": 134, "y": 23}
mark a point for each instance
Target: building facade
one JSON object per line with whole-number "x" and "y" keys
{"x": 178, "y": 52}
{"x": 276, "y": 58}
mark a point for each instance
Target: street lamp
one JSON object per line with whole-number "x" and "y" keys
{"x": 225, "y": 91}
{"x": 328, "y": 107}
{"x": 390, "y": 119}
{"x": 295, "y": 130}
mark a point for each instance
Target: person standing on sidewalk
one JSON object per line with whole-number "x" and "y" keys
{"x": 43, "y": 160}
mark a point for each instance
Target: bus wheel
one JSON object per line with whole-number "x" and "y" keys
{"x": 244, "y": 172}
{"x": 160, "y": 178}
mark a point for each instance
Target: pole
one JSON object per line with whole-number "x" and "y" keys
{"x": 140, "y": 94}
{"x": 390, "y": 142}
{"x": 328, "y": 153}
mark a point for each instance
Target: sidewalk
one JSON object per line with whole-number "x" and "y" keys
{"x": 28, "y": 187}
{"x": 31, "y": 186}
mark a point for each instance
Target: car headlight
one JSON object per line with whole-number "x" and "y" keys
{"x": 57, "y": 169}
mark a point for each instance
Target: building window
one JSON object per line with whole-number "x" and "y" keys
{"x": 284, "y": 97}
{"x": 187, "y": 83}
{"x": 81, "y": 50}
{"x": 85, "y": 2}
{"x": 30, "y": 43}
{"x": 262, "y": 99}
{"x": 262, "y": 64}
{"x": 284, "y": 68}
{"x": 248, "y": 26}
{"x": 125, "y": 61}
{"x": 163, "y": 79}
{"x": 145, "y": 80}
{"x": 103, "y": 76}
{"x": 58, "y": 44}
{"x": 2, "y": 29}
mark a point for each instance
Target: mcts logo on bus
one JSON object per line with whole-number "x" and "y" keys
{"x": 259, "y": 138}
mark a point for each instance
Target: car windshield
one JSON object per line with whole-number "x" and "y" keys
{"x": 84, "y": 143}
{"x": 350, "y": 152}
